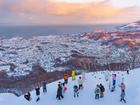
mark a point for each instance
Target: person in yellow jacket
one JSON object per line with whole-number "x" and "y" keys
{"x": 73, "y": 74}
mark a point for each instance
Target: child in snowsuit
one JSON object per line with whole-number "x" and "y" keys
{"x": 102, "y": 89}
{"x": 59, "y": 92}
{"x": 122, "y": 96}
{"x": 80, "y": 82}
{"x": 27, "y": 96}
{"x": 76, "y": 91}
{"x": 97, "y": 92}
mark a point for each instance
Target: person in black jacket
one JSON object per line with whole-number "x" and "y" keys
{"x": 44, "y": 83}
{"x": 59, "y": 92}
{"x": 37, "y": 93}
{"x": 102, "y": 89}
{"x": 27, "y": 96}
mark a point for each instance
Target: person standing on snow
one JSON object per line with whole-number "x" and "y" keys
{"x": 64, "y": 87}
{"x": 66, "y": 77}
{"x": 83, "y": 76}
{"x": 44, "y": 83}
{"x": 76, "y": 91}
{"x": 80, "y": 82}
{"x": 122, "y": 96}
{"x": 113, "y": 82}
{"x": 37, "y": 93}
{"x": 97, "y": 92}
{"x": 102, "y": 89}
{"x": 73, "y": 74}
{"x": 122, "y": 86}
{"x": 59, "y": 92}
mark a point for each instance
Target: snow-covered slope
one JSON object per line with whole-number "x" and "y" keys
{"x": 131, "y": 26}
{"x": 87, "y": 94}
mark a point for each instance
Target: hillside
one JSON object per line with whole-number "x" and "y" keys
{"x": 87, "y": 94}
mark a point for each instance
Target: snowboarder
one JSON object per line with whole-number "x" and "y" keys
{"x": 59, "y": 92}
{"x": 44, "y": 83}
{"x": 27, "y": 96}
{"x": 65, "y": 77}
{"x": 80, "y": 82}
{"x": 102, "y": 89}
{"x": 97, "y": 91}
{"x": 122, "y": 96}
{"x": 37, "y": 93}
{"x": 73, "y": 74}
{"x": 76, "y": 91}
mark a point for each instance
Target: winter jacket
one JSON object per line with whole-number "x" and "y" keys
{"x": 122, "y": 86}
{"x": 97, "y": 90}
{"x": 37, "y": 91}
{"x": 73, "y": 74}
{"x": 102, "y": 89}
{"x": 80, "y": 81}
{"x": 65, "y": 76}
{"x": 59, "y": 91}
{"x": 75, "y": 88}
{"x": 113, "y": 76}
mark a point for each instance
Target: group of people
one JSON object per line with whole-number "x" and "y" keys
{"x": 28, "y": 97}
{"x": 62, "y": 87}
{"x": 99, "y": 90}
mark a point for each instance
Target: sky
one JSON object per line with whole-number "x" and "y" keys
{"x": 64, "y": 12}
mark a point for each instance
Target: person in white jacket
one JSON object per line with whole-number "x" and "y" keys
{"x": 80, "y": 82}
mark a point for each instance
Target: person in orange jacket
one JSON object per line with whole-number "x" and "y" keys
{"x": 65, "y": 77}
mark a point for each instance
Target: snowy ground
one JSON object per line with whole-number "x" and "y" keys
{"x": 87, "y": 95}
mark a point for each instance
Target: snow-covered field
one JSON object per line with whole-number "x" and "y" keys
{"x": 87, "y": 94}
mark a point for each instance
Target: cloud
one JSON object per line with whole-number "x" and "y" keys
{"x": 48, "y": 12}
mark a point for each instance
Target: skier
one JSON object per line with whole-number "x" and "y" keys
{"x": 73, "y": 74}
{"x": 76, "y": 91}
{"x": 65, "y": 77}
{"x": 122, "y": 96}
{"x": 102, "y": 89}
{"x": 44, "y": 86}
{"x": 59, "y": 92}
{"x": 80, "y": 82}
{"x": 97, "y": 91}
{"x": 27, "y": 96}
{"x": 37, "y": 93}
